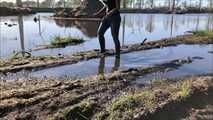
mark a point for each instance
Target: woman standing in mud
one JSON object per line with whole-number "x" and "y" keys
{"x": 112, "y": 19}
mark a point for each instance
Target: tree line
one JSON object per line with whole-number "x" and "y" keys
{"x": 140, "y": 4}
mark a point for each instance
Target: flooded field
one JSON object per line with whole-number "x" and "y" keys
{"x": 147, "y": 81}
{"x": 202, "y": 64}
{"x": 134, "y": 29}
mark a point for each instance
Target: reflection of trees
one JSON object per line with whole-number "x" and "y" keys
{"x": 176, "y": 20}
{"x": 171, "y": 25}
{"x": 150, "y": 25}
{"x": 166, "y": 22}
{"x": 88, "y": 28}
{"x": 209, "y": 23}
{"x": 198, "y": 22}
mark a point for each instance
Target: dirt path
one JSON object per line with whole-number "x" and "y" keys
{"x": 17, "y": 64}
{"x": 79, "y": 99}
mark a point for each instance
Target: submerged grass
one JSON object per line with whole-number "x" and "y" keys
{"x": 203, "y": 33}
{"x": 63, "y": 41}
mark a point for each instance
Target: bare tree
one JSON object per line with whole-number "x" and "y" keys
{"x": 169, "y": 3}
{"x": 174, "y": 4}
{"x": 211, "y": 4}
{"x": 150, "y": 3}
{"x": 124, "y": 3}
{"x": 38, "y": 5}
{"x": 200, "y": 4}
{"x": 19, "y": 3}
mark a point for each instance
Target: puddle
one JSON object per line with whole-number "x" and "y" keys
{"x": 202, "y": 64}
{"x": 134, "y": 28}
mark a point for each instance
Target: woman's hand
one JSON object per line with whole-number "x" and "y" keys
{"x": 110, "y": 13}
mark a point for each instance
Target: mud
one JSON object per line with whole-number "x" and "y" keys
{"x": 197, "y": 106}
{"x": 59, "y": 99}
{"x": 35, "y": 63}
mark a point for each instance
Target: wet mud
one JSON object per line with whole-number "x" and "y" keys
{"x": 61, "y": 99}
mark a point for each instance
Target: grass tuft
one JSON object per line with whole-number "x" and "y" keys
{"x": 63, "y": 41}
{"x": 129, "y": 103}
{"x": 203, "y": 33}
{"x": 185, "y": 89}
{"x": 80, "y": 112}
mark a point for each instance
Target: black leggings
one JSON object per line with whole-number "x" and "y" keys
{"x": 113, "y": 22}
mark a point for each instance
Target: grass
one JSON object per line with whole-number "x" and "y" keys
{"x": 128, "y": 105}
{"x": 80, "y": 112}
{"x": 203, "y": 33}
{"x": 185, "y": 89}
{"x": 63, "y": 41}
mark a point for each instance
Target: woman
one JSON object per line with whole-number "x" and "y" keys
{"x": 112, "y": 19}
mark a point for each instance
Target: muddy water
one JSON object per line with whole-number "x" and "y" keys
{"x": 26, "y": 34}
{"x": 202, "y": 64}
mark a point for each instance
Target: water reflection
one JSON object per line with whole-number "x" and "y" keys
{"x": 101, "y": 67}
{"x": 150, "y": 25}
{"x": 88, "y": 28}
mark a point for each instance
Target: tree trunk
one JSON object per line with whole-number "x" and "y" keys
{"x": 173, "y": 5}
{"x": 38, "y": 4}
{"x": 210, "y": 4}
{"x": 124, "y": 3}
{"x": 152, "y": 3}
{"x": 19, "y": 3}
{"x": 200, "y": 4}
{"x": 169, "y": 4}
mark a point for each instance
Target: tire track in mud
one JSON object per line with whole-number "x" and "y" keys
{"x": 38, "y": 63}
{"x": 50, "y": 98}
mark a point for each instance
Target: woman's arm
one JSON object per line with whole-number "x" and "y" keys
{"x": 102, "y": 9}
{"x": 117, "y": 2}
